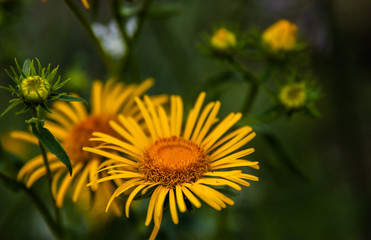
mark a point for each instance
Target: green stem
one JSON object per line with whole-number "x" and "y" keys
{"x": 283, "y": 155}
{"x": 253, "y": 88}
{"x": 86, "y": 25}
{"x": 37, "y": 201}
{"x": 36, "y": 113}
{"x": 247, "y": 75}
{"x": 250, "y": 99}
{"x": 129, "y": 41}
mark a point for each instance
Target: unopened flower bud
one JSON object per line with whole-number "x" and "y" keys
{"x": 35, "y": 90}
{"x": 293, "y": 95}
{"x": 223, "y": 39}
{"x": 281, "y": 35}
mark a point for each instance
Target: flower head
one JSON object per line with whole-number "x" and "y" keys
{"x": 281, "y": 35}
{"x": 172, "y": 163}
{"x": 223, "y": 39}
{"x": 293, "y": 95}
{"x": 73, "y": 125}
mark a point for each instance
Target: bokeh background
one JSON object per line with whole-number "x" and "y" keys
{"x": 315, "y": 177}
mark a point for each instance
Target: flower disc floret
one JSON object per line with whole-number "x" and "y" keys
{"x": 293, "y": 95}
{"x": 172, "y": 161}
{"x": 78, "y": 137}
{"x": 35, "y": 90}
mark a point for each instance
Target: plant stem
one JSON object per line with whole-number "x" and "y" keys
{"x": 251, "y": 96}
{"x": 36, "y": 113}
{"x": 283, "y": 155}
{"x": 110, "y": 66}
{"x": 37, "y": 201}
{"x": 253, "y": 88}
{"x": 129, "y": 41}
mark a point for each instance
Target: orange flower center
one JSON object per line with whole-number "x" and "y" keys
{"x": 79, "y": 135}
{"x": 172, "y": 161}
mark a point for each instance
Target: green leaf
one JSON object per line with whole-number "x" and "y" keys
{"x": 27, "y": 66}
{"x": 60, "y": 85}
{"x": 15, "y": 77}
{"x": 48, "y": 140}
{"x": 7, "y": 89}
{"x": 11, "y": 106}
{"x": 46, "y": 108}
{"x": 312, "y": 110}
{"x": 19, "y": 69}
{"x": 52, "y": 74}
{"x": 68, "y": 98}
{"x": 24, "y": 110}
{"x": 39, "y": 68}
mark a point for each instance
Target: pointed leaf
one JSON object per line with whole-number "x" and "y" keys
{"x": 27, "y": 66}
{"x": 52, "y": 74}
{"x": 68, "y": 98}
{"x": 48, "y": 140}
{"x": 39, "y": 68}
{"x": 61, "y": 84}
{"x": 14, "y": 78}
{"x": 11, "y": 106}
{"x": 19, "y": 69}
{"x": 24, "y": 110}
{"x": 7, "y": 89}
{"x": 43, "y": 106}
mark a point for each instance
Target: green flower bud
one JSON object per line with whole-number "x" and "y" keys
{"x": 293, "y": 95}
{"x": 35, "y": 90}
{"x": 223, "y": 39}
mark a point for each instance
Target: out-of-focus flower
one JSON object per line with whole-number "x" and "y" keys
{"x": 293, "y": 95}
{"x": 223, "y": 39}
{"x": 72, "y": 125}
{"x": 281, "y": 35}
{"x": 12, "y": 146}
{"x": 175, "y": 164}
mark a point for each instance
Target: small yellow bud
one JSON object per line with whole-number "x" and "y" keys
{"x": 223, "y": 39}
{"x": 293, "y": 95}
{"x": 35, "y": 89}
{"x": 281, "y": 35}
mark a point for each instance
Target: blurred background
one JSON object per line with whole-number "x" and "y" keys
{"x": 315, "y": 176}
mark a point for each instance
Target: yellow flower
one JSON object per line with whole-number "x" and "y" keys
{"x": 177, "y": 164}
{"x": 293, "y": 95}
{"x": 223, "y": 39}
{"x": 281, "y": 35}
{"x": 73, "y": 125}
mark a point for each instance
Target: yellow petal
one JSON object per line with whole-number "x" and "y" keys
{"x": 172, "y": 203}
